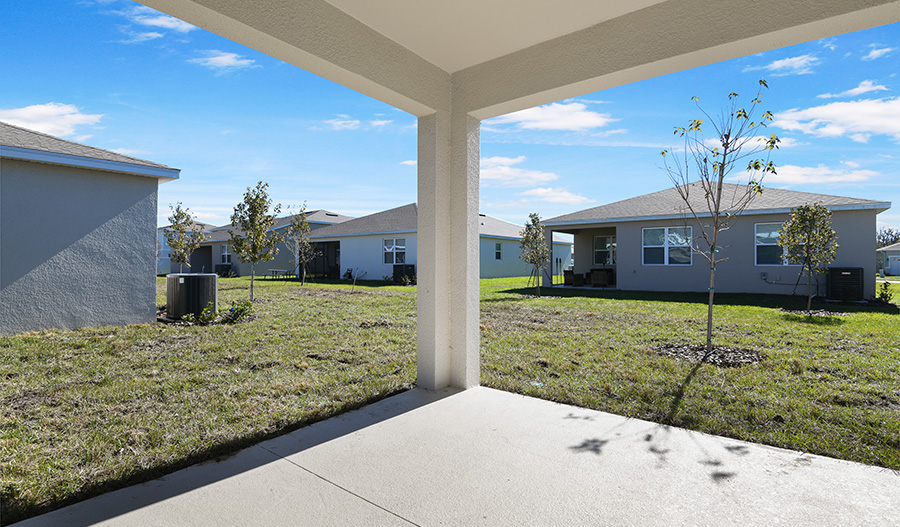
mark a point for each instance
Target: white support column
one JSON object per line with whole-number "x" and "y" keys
{"x": 448, "y": 336}
{"x": 547, "y": 281}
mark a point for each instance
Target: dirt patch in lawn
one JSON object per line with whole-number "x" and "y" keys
{"x": 813, "y": 313}
{"x": 722, "y": 356}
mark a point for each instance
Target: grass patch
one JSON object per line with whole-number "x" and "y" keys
{"x": 826, "y": 385}
{"x": 87, "y": 411}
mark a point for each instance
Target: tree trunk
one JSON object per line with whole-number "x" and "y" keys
{"x": 303, "y": 275}
{"x": 712, "y": 250}
{"x": 809, "y": 291}
{"x": 537, "y": 281}
{"x": 252, "y": 272}
{"x": 712, "y": 292}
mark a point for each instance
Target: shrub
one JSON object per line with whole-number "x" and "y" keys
{"x": 239, "y": 311}
{"x": 208, "y": 315}
{"x": 884, "y": 293}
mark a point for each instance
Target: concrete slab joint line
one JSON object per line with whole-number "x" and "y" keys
{"x": 348, "y": 491}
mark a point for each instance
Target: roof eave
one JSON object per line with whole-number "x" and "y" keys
{"x": 40, "y": 156}
{"x": 878, "y": 207}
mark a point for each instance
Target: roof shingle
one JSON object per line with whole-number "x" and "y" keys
{"x": 669, "y": 203}
{"x": 19, "y": 137}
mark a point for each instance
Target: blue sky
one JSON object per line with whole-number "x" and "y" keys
{"x": 117, "y": 75}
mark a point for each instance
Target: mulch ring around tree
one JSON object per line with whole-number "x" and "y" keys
{"x": 722, "y": 356}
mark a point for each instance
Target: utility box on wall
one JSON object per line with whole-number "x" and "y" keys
{"x": 845, "y": 283}
{"x": 191, "y": 293}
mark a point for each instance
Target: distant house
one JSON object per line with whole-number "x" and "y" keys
{"x": 77, "y": 239}
{"x": 215, "y": 255}
{"x": 647, "y": 240}
{"x": 891, "y": 262}
{"x": 374, "y": 244}
{"x": 164, "y": 263}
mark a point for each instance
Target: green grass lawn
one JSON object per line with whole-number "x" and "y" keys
{"x": 826, "y": 385}
{"x": 90, "y": 410}
{"x": 95, "y": 409}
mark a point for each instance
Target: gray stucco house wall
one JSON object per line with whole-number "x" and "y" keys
{"x": 853, "y": 219}
{"x": 77, "y": 234}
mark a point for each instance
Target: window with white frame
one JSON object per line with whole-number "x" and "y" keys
{"x": 767, "y": 250}
{"x": 667, "y": 246}
{"x": 604, "y": 250}
{"x": 498, "y": 251}
{"x": 395, "y": 250}
{"x": 226, "y": 255}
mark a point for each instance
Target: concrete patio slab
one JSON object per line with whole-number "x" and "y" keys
{"x": 486, "y": 457}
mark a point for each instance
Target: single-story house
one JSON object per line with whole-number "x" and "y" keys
{"x": 214, "y": 254}
{"x": 891, "y": 259}
{"x": 372, "y": 245}
{"x": 164, "y": 263}
{"x": 77, "y": 240}
{"x": 646, "y": 241}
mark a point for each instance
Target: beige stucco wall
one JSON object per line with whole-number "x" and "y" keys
{"x": 739, "y": 274}
{"x": 77, "y": 247}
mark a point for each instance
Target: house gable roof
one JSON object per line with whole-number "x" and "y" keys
{"x": 21, "y": 143}
{"x": 893, "y": 247}
{"x": 404, "y": 220}
{"x": 320, "y": 216}
{"x": 667, "y": 204}
{"x": 392, "y": 221}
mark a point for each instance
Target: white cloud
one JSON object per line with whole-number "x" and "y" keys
{"x": 136, "y": 38}
{"x": 797, "y": 175}
{"x": 343, "y": 123}
{"x": 381, "y": 122}
{"x": 878, "y": 53}
{"x": 856, "y": 119}
{"x": 52, "y": 118}
{"x": 556, "y": 116}
{"x": 864, "y": 87}
{"x": 409, "y": 162}
{"x": 145, "y": 16}
{"x": 490, "y": 162}
{"x": 223, "y": 62}
{"x": 498, "y": 171}
{"x": 800, "y": 65}
{"x": 554, "y": 195}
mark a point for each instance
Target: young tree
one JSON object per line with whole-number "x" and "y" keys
{"x": 534, "y": 249}
{"x": 254, "y": 242}
{"x": 808, "y": 239}
{"x": 298, "y": 236}
{"x": 184, "y": 235}
{"x": 700, "y": 171}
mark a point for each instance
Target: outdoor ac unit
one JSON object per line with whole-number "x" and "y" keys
{"x": 190, "y": 293}
{"x": 844, "y": 283}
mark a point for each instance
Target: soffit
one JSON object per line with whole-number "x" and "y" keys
{"x": 456, "y": 34}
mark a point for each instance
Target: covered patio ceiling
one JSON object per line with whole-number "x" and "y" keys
{"x": 453, "y": 63}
